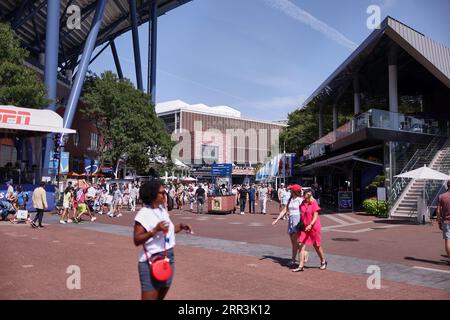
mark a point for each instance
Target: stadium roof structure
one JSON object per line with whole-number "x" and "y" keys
{"x": 174, "y": 106}
{"x": 169, "y": 106}
{"x": 432, "y": 55}
{"x": 66, "y": 32}
{"x": 28, "y": 19}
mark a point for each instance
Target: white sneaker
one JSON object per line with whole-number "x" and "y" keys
{"x": 119, "y": 215}
{"x": 93, "y": 219}
{"x": 110, "y": 215}
{"x": 242, "y": 213}
{"x": 69, "y": 221}
{"x": 62, "y": 222}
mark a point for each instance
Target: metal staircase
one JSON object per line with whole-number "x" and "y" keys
{"x": 405, "y": 192}
{"x": 434, "y": 188}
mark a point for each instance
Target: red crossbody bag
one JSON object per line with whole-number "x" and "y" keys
{"x": 160, "y": 267}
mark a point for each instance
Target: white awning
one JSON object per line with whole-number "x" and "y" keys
{"x": 15, "y": 118}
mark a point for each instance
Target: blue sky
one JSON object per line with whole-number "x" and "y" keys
{"x": 263, "y": 57}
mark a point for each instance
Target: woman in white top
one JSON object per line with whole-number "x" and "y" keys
{"x": 293, "y": 210}
{"x": 154, "y": 230}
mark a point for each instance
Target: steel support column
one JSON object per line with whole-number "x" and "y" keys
{"x": 116, "y": 59}
{"x": 152, "y": 46}
{"x": 136, "y": 49}
{"x": 84, "y": 63}
{"x": 321, "y": 121}
{"x": 357, "y": 95}
{"x": 393, "y": 90}
{"x": 335, "y": 117}
{"x": 51, "y": 67}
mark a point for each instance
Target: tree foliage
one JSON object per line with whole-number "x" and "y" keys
{"x": 303, "y": 125}
{"x": 128, "y": 126}
{"x": 19, "y": 86}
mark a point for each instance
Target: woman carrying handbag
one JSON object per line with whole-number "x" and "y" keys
{"x": 155, "y": 232}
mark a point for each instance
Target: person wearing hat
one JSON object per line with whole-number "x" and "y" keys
{"x": 293, "y": 210}
{"x": 312, "y": 233}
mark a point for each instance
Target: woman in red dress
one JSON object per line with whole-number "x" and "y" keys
{"x": 312, "y": 235}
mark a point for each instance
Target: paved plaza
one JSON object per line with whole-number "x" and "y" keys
{"x": 228, "y": 257}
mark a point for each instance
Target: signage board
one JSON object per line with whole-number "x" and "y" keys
{"x": 223, "y": 169}
{"x": 381, "y": 194}
{"x": 345, "y": 201}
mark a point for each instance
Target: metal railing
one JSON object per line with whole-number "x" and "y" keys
{"x": 421, "y": 156}
{"x": 381, "y": 119}
{"x": 434, "y": 188}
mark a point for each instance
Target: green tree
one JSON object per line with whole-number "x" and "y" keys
{"x": 19, "y": 86}
{"x": 303, "y": 125}
{"x": 128, "y": 126}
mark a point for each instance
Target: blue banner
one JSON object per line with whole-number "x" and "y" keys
{"x": 64, "y": 163}
{"x": 91, "y": 166}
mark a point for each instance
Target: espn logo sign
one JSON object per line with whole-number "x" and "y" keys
{"x": 14, "y": 117}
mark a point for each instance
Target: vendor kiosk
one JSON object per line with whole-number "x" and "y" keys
{"x": 219, "y": 201}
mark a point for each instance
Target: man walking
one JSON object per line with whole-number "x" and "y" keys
{"x": 251, "y": 199}
{"x": 200, "y": 198}
{"x": 263, "y": 194}
{"x": 40, "y": 204}
{"x": 443, "y": 218}
{"x": 134, "y": 192}
{"x": 243, "y": 198}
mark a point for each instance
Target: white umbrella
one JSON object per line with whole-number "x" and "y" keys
{"x": 424, "y": 173}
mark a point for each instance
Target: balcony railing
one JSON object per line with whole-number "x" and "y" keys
{"x": 380, "y": 119}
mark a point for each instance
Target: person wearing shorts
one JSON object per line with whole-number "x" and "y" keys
{"x": 66, "y": 206}
{"x": 293, "y": 210}
{"x": 443, "y": 217}
{"x": 83, "y": 208}
{"x": 155, "y": 232}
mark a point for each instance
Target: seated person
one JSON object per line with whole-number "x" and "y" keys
{"x": 6, "y": 208}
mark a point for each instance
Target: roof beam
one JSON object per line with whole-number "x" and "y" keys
{"x": 32, "y": 13}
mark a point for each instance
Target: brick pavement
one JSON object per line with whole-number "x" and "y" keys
{"x": 34, "y": 264}
{"x": 238, "y": 255}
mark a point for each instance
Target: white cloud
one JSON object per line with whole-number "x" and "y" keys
{"x": 297, "y": 13}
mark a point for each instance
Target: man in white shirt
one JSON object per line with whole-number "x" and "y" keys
{"x": 134, "y": 192}
{"x": 262, "y": 194}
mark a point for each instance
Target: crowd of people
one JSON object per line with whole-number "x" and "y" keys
{"x": 96, "y": 198}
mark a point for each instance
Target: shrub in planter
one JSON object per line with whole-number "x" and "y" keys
{"x": 372, "y": 207}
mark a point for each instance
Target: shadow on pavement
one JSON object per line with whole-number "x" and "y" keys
{"x": 284, "y": 262}
{"x": 438, "y": 263}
